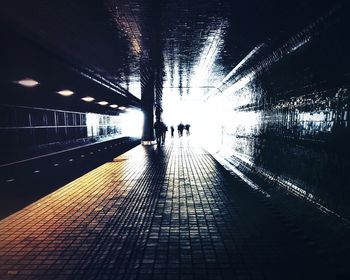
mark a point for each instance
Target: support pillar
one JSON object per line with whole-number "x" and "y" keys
{"x": 147, "y": 106}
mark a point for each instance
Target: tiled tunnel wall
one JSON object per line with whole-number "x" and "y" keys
{"x": 25, "y": 129}
{"x": 289, "y": 113}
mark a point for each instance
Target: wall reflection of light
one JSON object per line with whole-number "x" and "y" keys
{"x": 102, "y": 125}
{"x": 92, "y": 123}
{"x": 246, "y": 123}
{"x": 313, "y": 117}
{"x": 206, "y": 62}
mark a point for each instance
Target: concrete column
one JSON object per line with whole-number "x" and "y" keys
{"x": 147, "y": 106}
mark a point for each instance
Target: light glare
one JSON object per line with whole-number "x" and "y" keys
{"x": 131, "y": 123}
{"x": 88, "y": 99}
{"x": 103, "y": 103}
{"x": 28, "y": 82}
{"x": 65, "y": 92}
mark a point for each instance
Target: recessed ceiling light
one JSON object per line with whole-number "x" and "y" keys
{"x": 65, "y": 92}
{"x": 88, "y": 99}
{"x": 103, "y": 103}
{"x": 113, "y": 106}
{"x": 122, "y": 108}
{"x": 27, "y": 82}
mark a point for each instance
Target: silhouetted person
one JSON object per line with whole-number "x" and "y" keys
{"x": 172, "y": 131}
{"x": 158, "y": 127}
{"x": 158, "y": 112}
{"x": 164, "y": 130}
{"x": 187, "y": 127}
{"x": 180, "y": 129}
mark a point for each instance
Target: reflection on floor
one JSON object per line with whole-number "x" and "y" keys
{"x": 156, "y": 213}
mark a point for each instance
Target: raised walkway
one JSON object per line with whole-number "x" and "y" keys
{"x": 155, "y": 213}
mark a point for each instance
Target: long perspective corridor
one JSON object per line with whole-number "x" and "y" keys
{"x": 175, "y": 139}
{"x": 158, "y": 214}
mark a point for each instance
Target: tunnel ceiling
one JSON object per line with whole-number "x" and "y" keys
{"x": 112, "y": 47}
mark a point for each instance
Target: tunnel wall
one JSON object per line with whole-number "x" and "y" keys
{"x": 25, "y": 130}
{"x": 287, "y": 116}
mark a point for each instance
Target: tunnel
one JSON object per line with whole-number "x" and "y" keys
{"x": 150, "y": 139}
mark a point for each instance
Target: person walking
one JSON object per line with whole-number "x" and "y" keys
{"x": 158, "y": 127}
{"x": 187, "y": 127}
{"x": 164, "y": 130}
{"x": 180, "y": 129}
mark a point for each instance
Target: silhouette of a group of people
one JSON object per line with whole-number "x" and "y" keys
{"x": 181, "y": 127}
{"x": 161, "y": 129}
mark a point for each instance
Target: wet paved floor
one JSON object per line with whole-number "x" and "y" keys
{"x": 166, "y": 213}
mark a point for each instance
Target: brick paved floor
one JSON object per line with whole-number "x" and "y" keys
{"x": 167, "y": 213}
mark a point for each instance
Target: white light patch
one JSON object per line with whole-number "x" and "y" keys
{"x": 27, "y": 82}
{"x": 133, "y": 86}
{"x": 88, "y": 99}
{"x": 131, "y": 123}
{"x": 188, "y": 109}
{"x": 243, "y": 61}
{"x": 114, "y": 106}
{"x": 212, "y": 48}
{"x": 65, "y": 92}
{"x": 103, "y": 103}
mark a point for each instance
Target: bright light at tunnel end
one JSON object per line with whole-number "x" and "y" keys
{"x": 132, "y": 122}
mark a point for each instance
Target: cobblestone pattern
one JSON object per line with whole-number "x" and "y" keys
{"x": 166, "y": 213}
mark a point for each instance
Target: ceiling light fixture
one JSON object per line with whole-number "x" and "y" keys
{"x": 103, "y": 103}
{"x": 65, "y": 92}
{"x": 27, "y": 82}
{"x": 88, "y": 99}
{"x": 113, "y": 106}
{"x": 122, "y": 108}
